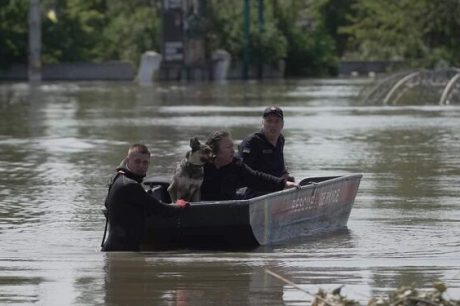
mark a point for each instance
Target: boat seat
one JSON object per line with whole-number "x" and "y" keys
{"x": 160, "y": 193}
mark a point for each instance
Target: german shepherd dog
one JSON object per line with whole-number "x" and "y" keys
{"x": 187, "y": 180}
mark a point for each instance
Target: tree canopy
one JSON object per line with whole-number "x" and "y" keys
{"x": 311, "y": 36}
{"x": 423, "y": 32}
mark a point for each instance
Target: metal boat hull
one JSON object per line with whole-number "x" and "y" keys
{"x": 322, "y": 204}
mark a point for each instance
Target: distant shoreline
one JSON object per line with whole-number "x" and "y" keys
{"x": 124, "y": 71}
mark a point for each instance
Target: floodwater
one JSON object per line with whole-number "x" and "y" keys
{"x": 60, "y": 142}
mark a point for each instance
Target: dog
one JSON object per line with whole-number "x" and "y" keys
{"x": 186, "y": 182}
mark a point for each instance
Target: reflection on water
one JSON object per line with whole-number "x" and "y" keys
{"x": 194, "y": 279}
{"x": 59, "y": 143}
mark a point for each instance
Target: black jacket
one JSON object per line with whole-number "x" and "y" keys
{"x": 127, "y": 205}
{"x": 259, "y": 154}
{"x": 221, "y": 184}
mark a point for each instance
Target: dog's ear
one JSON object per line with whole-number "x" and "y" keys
{"x": 194, "y": 144}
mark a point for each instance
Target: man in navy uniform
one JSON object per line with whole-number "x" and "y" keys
{"x": 263, "y": 150}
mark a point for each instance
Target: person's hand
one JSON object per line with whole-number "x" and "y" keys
{"x": 291, "y": 185}
{"x": 289, "y": 178}
{"x": 182, "y": 203}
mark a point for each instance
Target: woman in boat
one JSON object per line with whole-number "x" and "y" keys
{"x": 227, "y": 173}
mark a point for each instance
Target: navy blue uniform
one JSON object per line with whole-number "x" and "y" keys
{"x": 222, "y": 183}
{"x": 259, "y": 154}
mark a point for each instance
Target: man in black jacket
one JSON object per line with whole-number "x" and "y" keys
{"x": 263, "y": 150}
{"x": 128, "y": 203}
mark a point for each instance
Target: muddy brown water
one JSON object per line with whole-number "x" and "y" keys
{"x": 59, "y": 144}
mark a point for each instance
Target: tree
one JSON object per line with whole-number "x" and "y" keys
{"x": 72, "y": 30}
{"x": 311, "y": 50}
{"x": 332, "y": 14}
{"x": 99, "y": 30}
{"x": 133, "y": 27}
{"x": 225, "y": 31}
{"x": 422, "y": 32}
{"x": 13, "y": 32}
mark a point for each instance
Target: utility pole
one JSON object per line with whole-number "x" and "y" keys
{"x": 35, "y": 37}
{"x": 246, "y": 40}
{"x": 261, "y": 18}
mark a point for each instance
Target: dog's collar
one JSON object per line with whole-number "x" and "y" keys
{"x": 195, "y": 165}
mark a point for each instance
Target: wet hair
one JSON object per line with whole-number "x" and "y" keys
{"x": 139, "y": 148}
{"x": 215, "y": 138}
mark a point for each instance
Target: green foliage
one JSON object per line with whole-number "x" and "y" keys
{"x": 13, "y": 31}
{"x": 309, "y": 35}
{"x": 74, "y": 35}
{"x": 97, "y": 30}
{"x": 225, "y": 30}
{"x": 131, "y": 30}
{"x": 332, "y": 14}
{"x": 268, "y": 44}
{"x": 422, "y": 32}
{"x": 384, "y": 30}
{"x": 81, "y": 30}
{"x": 311, "y": 50}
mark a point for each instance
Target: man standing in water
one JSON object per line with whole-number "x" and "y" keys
{"x": 128, "y": 203}
{"x": 263, "y": 150}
